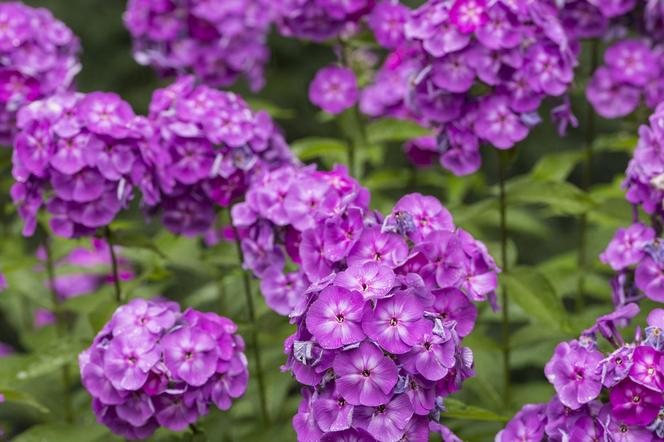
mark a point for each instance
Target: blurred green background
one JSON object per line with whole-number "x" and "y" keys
{"x": 544, "y": 237}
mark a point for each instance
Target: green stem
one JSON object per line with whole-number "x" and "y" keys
{"x": 114, "y": 265}
{"x": 246, "y": 282}
{"x": 502, "y": 174}
{"x": 586, "y": 182}
{"x": 61, "y": 328}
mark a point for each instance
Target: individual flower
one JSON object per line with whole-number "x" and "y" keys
{"x": 335, "y": 319}
{"x": 628, "y": 246}
{"x": 572, "y": 371}
{"x": 527, "y": 425}
{"x": 38, "y": 58}
{"x": 79, "y": 156}
{"x": 216, "y": 41}
{"x": 635, "y": 404}
{"x": 152, "y": 366}
{"x": 207, "y": 145}
{"x": 334, "y": 89}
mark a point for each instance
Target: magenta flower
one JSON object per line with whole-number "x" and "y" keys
{"x": 332, "y": 412}
{"x": 499, "y": 125}
{"x": 371, "y": 280}
{"x": 631, "y": 61}
{"x": 572, "y": 371}
{"x": 365, "y": 376}
{"x": 373, "y": 246}
{"x": 427, "y": 215}
{"x": 628, "y": 246}
{"x": 452, "y": 305}
{"x": 433, "y": 357}
{"x": 646, "y": 368}
{"x": 129, "y": 359}
{"x": 334, "y": 89}
{"x": 386, "y": 422}
{"x": 527, "y": 425}
{"x": 649, "y": 278}
{"x": 335, "y": 318}
{"x": 610, "y": 98}
{"x": 190, "y": 355}
{"x": 635, "y": 404}
{"x": 396, "y": 323}
{"x": 468, "y": 15}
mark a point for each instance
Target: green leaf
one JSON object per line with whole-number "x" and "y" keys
{"x": 560, "y": 197}
{"x": 60, "y": 432}
{"x": 45, "y": 360}
{"x": 137, "y": 240}
{"x": 458, "y": 410}
{"x": 308, "y": 149}
{"x": 275, "y": 111}
{"x": 616, "y": 142}
{"x": 390, "y": 129}
{"x": 23, "y": 398}
{"x": 101, "y": 315}
{"x": 387, "y": 179}
{"x": 533, "y": 292}
{"x": 555, "y": 166}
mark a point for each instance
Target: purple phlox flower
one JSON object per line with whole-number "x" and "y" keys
{"x": 331, "y": 411}
{"x": 468, "y": 15}
{"x": 616, "y": 366}
{"x": 573, "y": 372}
{"x": 608, "y": 324}
{"x": 387, "y": 22}
{"x": 129, "y": 358}
{"x": 635, "y": 404}
{"x": 334, "y": 319}
{"x": 432, "y": 358}
{"x": 649, "y": 278}
{"x": 281, "y": 290}
{"x": 631, "y": 62}
{"x": 655, "y": 329}
{"x": 341, "y": 235}
{"x": 365, "y": 376}
{"x": 498, "y": 124}
{"x": 627, "y": 246}
{"x": 563, "y": 116}
{"x": 586, "y": 428}
{"x": 609, "y": 97}
{"x": 452, "y": 305}
{"x": 371, "y": 279}
{"x": 388, "y": 249}
{"x": 527, "y": 425}
{"x": 646, "y": 368}
{"x": 396, "y": 323}
{"x": 386, "y": 422}
{"x": 334, "y": 89}
{"x": 443, "y": 250}
{"x": 143, "y": 315}
{"x": 190, "y": 354}
{"x": 427, "y": 214}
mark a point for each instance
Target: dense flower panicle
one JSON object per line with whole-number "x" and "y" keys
{"x": 217, "y": 40}
{"x": 631, "y": 374}
{"x": 79, "y": 156}
{"x": 153, "y": 366}
{"x": 383, "y": 302}
{"x": 207, "y": 146}
{"x": 38, "y": 58}
{"x": 319, "y": 20}
{"x": 476, "y": 72}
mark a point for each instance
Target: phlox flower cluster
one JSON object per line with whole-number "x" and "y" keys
{"x": 632, "y": 71}
{"x": 93, "y": 271}
{"x": 38, "y": 58}
{"x": 319, "y": 20}
{"x": 634, "y": 61}
{"x": 477, "y": 72}
{"x": 645, "y": 173}
{"x": 207, "y": 144}
{"x": 79, "y": 156}
{"x": 217, "y": 40}
{"x": 153, "y": 366}
{"x": 638, "y": 256}
{"x": 614, "y": 396}
{"x": 381, "y": 304}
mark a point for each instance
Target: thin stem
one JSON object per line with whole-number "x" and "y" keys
{"x": 586, "y": 182}
{"x": 246, "y": 282}
{"x": 114, "y": 265}
{"x": 61, "y": 328}
{"x": 502, "y": 173}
